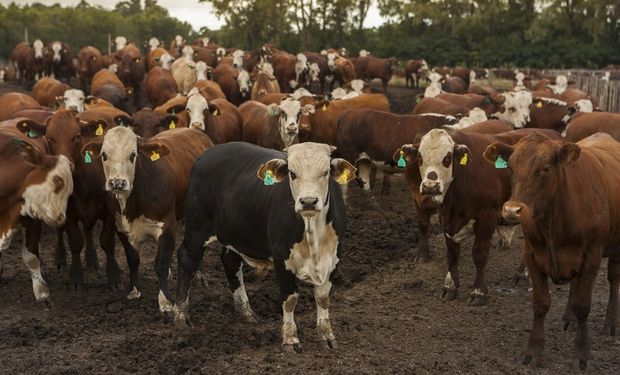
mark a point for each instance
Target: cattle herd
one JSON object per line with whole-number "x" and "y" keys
{"x": 255, "y": 150}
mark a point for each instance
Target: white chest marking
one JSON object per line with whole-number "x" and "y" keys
{"x": 314, "y": 258}
{"x": 465, "y": 232}
{"x": 140, "y": 229}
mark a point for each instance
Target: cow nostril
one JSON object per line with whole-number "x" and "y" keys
{"x": 518, "y": 210}
{"x": 432, "y": 176}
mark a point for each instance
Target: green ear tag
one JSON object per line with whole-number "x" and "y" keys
{"x": 87, "y": 158}
{"x": 402, "y": 163}
{"x": 32, "y": 133}
{"x": 500, "y": 163}
{"x": 268, "y": 180}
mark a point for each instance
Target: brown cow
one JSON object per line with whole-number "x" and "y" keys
{"x": 583, "y": 125}
{"x": 219, "y": 118}
{"x": 110, "y": 115}
{"x": 29, "y": 61}
{"x": 451, "y": 175}
{"x": 34, "y": 187}
{"x": 234, "y": 83}
{"x": 209, "y": 89}
{"x": 148, "y": 180}
{"x": 59, "y": 61}
{"x": 317, "y": 72}
{"x": 342, "y": 68}
{"x": 437, "y": 105}
{"x": 289, "y": 70}
{"x": 265, "y": 84}
{"x": 371, "y": 67}
{"x": 160, "y": 86}
{"x": 454, "y": 85}
{"x": 207, "y": 55}
{"x": 159, "y": 57}
{"x": 131, "y": 70}
{"x": 470, "y": 101}
{"x": 173, "y": 106}
{"x": 90, "y": 62}
{"x": 106, "y": 85}
{"x": 38, "y": 115}
{"x": 565, "y": 195}
{"x": 13, "y": 102}
{"x": 146, "y": 123}
{"x": 462, "y": 73}
{"x": 46, "y": 90}
{"x": 414, "y": 71}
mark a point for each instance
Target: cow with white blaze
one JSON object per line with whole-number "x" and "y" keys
{"x": 120, "y": 42}
{"x": 149, "y": 179}
{"x": 153, "y": 44}
{"x": 294, "y": 221}
{"x": 72, "y": 100}
{"x": 218, "y": 118}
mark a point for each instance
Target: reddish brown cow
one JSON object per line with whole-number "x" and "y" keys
{"x": 90, "y": 62}
{"x": 462, "y": 73}
{"x": 437, "y": 105}
{"x": 131, "y": 70}
{"x": 46, "y": 90}
{"x": 234, "y": 83}
{"x": 29, "y": 61}
{"x": 454, "y": 85}
{"x": 13, "y": 102}
{"x": 219, "y": 118}
{"x": 583, "y": 125}
{"x": 106, "y": 85}
{"x": 370, "y": 67}
{"x": 317, "y": 71}
{"x": 207, "y": 55}
{"x": 414, "y": 71}
{"x": 174, "y": 106}
{"x": 565, "y": 195}
{"x": 210, "y": 90}
{"x": 146, "y": 123}
{"x": 154, "y": 57}
{"x": 38, "y": 115}
{"x": 264, "y": 84}
{"x": 160, "y": 86}
{"x": 470, "y": 101}
{"x": 284, "y": 70}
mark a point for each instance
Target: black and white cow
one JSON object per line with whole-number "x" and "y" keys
{"x": 291, "y": 219}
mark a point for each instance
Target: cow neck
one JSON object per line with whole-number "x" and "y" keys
{"x": 272, "y": 132}
{"x": 131, "y": 201}
{"x": 314, "y": 229}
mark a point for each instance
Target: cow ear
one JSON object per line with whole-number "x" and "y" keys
{"x": 462, "y": 154}
{"x": 497, "y": 99}
{"x": 342, "y": 171}
{"x": 323, "y": 105}
{"x": 214, "y": 109}
{"x": 569, "y": 152}
{"x": 29, "y": 153}
{"x": 96, "y": 128}
{"x": 498, "y": 153}
{"x": 407, "y": 154}
{"x": 169, "y": 122}
{"x": 90, "y": 100}
{"x": 31, "y": 128}
{"x": 153, "y": 150}
{"x": 307, "y": 109}
{"x": 176, "y": 109}
{"x": 91, "y": 150}
{"x": 273, "y": 110}
{"x": 123, "y": 120}
{"x": 59, "y": 101}
{"x": 570, "y": 111}
{"x": 275, "y": 170}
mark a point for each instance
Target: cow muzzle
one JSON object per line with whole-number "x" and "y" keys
{"x": 308, "y": 206}
{"x": 198, "y": 125}
{"x": 117, "y": 184}
{"x": 512, "y": 211}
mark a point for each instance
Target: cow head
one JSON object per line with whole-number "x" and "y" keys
{"x": 266, "y": 67}
{"x": 308, "y": 167}
{"x": 178, "y": 40}
{"x": 73, "y": 100}
{"x": 201, "y": 71}
{"x": 147, "y": 123}
{"x": 165, "y": 60}
{"x": 243, "y": 79}
{"x": 358, "y": 85}
{"x": 338, "y": 93}
{"x": 204, "y": 41}
{"x": 364, "y": 53}
{"x": 561, "y": 83}
{"x": 536, "y": 163}
{"x": 188, "y": 53}
{"x": 331, "y": 60}
{"x": 289, "y": 113}
{"x": 314, "y": 72}
{"x": 238, "y": 59}
{"x": 120, "y": 42}
{"x": 120, "y": 151}
{"x": 38, "y": 49}
{"x": 153, "y": 43}
{"x": 131, "y": 68}
{"x": 198, "y": 110}
{"x": 515, "y": 107}
{"x": 436, "y": 156}
{"x": 56, "y": 48}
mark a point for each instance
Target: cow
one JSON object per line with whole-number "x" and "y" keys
{"x": 29, "y": 62}
{"x": 264, "y": 84}
{"x": 173, "y": 106}
{"x": 148, "y": 180}
{"x": 295, "y": 219}
{"x": 370, "y": 67}
{"x": 206, "y": 55}
{"x": 90, "y": 62}
{"x": 187, "y": 73}
{"x": 146, "y": 123}
{"x": 106, "y": 85}
{"x": 454, "y": 85}
{"x": 34, "y": 187}
{"x": 176, "y": 46}
{"x": 153, "y": 44}
{"x": 219, "y": 118}
{"x": 450, "y": 174}
{"x": 160, "y": 86}
{"x": 74, "y": 100}
{"x": 318, "y": 70}
{"x": 470, "y": 101}
{"x": 59, "y": 61}
{"x": 159, "y": 57}
{"x": 414, "y": 71}
{"x": 120, "y": 42}
{"x": 13, "y": 102}
{"x": 341, "y": 68}
{"x": 441, "y": 106}
{"x": 584, "y": 125}
{"x": 275, "y": 126}
{"x": 38, "y": 115}
{"x": 287, "y": 70}
{"x": 235, "y": 83}
{"x": 463, "y": 73}
{"x": 565, "y": 197}
{"x": 131, "y": 71}
{"x": 47, "y": 89}
{"x": 209, "y": 89}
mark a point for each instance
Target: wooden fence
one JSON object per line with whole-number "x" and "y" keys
{"x": 606, "y": 92}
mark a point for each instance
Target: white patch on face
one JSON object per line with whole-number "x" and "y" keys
{"x": 41, "y": 201}
{"x": 432, "y": 91}
{"x": 310, "y": 162}
{"x": 119, "y": 153}
{"x": 364, "y": 53}
{"x": 74, "y": 100}
{"x": 475, "y": 116}
{"x": 243, "y": 79}
{"x": 201, "y": 71}
{"x": 38, "y": 49}
{"x": 331, "y": 60}
{"x": 56, "y": 47}
{"x": 153, "y": 43}
{"x": 584, "y": 105}
{"x": 237, "y": 58}
{"x": 314, "y": 71}
{"x": 357, "y": 85}
{"x": 290, "y": 114}
{"x": 338, "y": 93}
{"x": 166, "y": 60}
{"x": 220, "y": 51}
{"x": 434, "y": 147}
{"x": 178, "y": 40}
{"x": 205, "y": 41}
{"x": 267, "y": 68}
{"x": 140, "y": 230}
{"x": 435, "y": 77}
{"x": 300, "y": 93}
{"x": 195, "y": 107}
{"x": 516, "y": 108}
{"x": 113, "y": 68}
{"x": 561, "y": 83}
{"x": 188, "y": 53}
{"x": 120, "y": 42}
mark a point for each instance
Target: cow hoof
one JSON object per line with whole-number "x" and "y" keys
{"x": 533, "y": 359}
{"x": 448, "y": 294}
{"x": 422, "y": 258}
{"x": 329, "y": 344}
{"x": 478, "y": 300}
{"x": 249, "y": 318}
{"x": 583, "y": 364}
{"x": 292, "y": 348}
{"x": 47, "y": 304}
{"x": 183, "y": 323}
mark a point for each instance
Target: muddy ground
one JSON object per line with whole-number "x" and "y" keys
{"x": 385, "y": 313}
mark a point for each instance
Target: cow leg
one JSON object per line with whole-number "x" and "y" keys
{"x": 323, "y": 324}
{"x": 106, "y": 240}
{"x": 90, "y": 253}
{"x": 30, "y": 256}
{"x": 424, "y": 222}
{"x": 613, "y": 276}
{"x": 480, "y": 254}
{"x": 289, "y": 295}
{"x": 520, "y": 274}
{"x": 76, "y": 242}
{"x": 133, "y": 263}
{"x": 414, "y": 80}
{"x": 541, "y": 301}
{"x": 5, "y": 242}
{"x": 60, "y": 254}
{"x": 233, "y": 266}
{"x": 569, "y": 316}
{"x": 449, "y": 292}
{"x": 165, "y": 247}
{"x": 385, "y": 86}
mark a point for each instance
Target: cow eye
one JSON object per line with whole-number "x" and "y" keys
{"x": 292, "y": 174}
{"x": 447, "y": 160}
{"x": 325, "y": 174}
{"x": 511, "y": 109}
{"x": 104, "y": 156}
{"x": 132, "y": 157}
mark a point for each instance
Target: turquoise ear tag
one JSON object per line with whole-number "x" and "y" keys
{"x": 32, "y": 133}
{"x": 268, "y": 180}
{"x": 87, "y": 158}
{"x": 402, "y": 163}
{"x": 500, "y": 163}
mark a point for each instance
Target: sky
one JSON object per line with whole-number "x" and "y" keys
{"x": 195, "y": 13}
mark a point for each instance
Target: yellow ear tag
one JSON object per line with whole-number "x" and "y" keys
{"x": 464, "y": 159}
{"x": 154, "y": 156}
{"x": 172, "y": 125}
{"x": 99, "y": 131}
{"x": 215, "y": 113}
{"x": 324, "y": 108}
{"x": 344, "y": 177}
{"x": 539, "y": 104}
